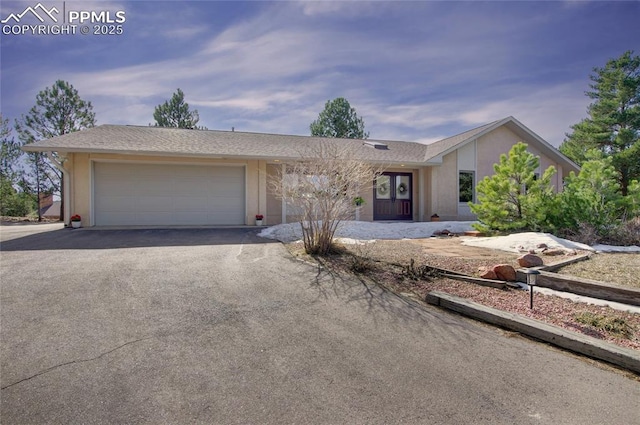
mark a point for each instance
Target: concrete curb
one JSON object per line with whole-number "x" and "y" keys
{"x": 572, "y": 341}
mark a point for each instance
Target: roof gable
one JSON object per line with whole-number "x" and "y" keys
{"x": 439, "y": 149}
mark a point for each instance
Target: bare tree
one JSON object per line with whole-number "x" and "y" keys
{"x": 322, "y": 188}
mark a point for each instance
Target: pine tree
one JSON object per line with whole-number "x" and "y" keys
{"x": 513, "y": 198}
{"x": 613, "y": 125}
{"x": 339, "y": 119}
{"x": 176, "y": 113}
{"x": 58, "y": 110}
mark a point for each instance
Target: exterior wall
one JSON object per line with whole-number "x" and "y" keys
{"x": 80, "y": 167}
{"x": 425, "y": 192}
{"x": 444, "y": 188}
{"x": 499, "y": 141}
{"x": 273, "y": 204}
{"x": 443, "y": 179}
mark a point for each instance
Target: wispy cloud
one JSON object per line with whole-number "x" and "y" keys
{"x": 413, "y": 70}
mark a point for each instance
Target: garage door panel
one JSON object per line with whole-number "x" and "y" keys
{"x": 154, "y": 194}
{"x": 153, "y": 203}
{"x": 115, "y": 203}
{"x": 116, "y": 184}
{"x": 200, "y": 203}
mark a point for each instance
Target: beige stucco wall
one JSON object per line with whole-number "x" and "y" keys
{"x": 273, "y": 205}
{"x": 80, "y": 167}
{"x": 499, "y": 141}
{"x": 443, "y": 179}
{"x": 444, "y": 188}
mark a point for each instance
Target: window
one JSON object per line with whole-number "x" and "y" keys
{"x": 465, "y": 186}
{"x": 525, "y": 189}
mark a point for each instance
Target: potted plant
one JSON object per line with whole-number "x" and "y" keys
{"x": 259, "y": 218}
{"x": 76, "y": 221}
{"x": 435, "y": 217}
{"x": 358, "y": 201}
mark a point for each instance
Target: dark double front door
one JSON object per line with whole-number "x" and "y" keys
{"x": 392, "y": 197}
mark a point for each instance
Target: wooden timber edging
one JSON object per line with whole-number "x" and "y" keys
{"x": 450, "y": 274}
{"x": 484, "y": 282}
{"x": 582, "y": 286}
{"x": 560, "y": 264}
{"x": 572, "y": 341}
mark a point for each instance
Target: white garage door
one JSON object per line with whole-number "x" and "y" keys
{"x": 152, "y": 194}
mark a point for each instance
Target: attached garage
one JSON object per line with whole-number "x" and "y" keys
{"x": 162, "y": 194}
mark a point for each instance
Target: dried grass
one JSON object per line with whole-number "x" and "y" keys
{"x": 388, "y": 261}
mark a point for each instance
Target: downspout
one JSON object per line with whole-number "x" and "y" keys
{"x": 66, "y": 189}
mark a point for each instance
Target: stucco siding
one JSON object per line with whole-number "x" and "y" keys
{"x": 499, "y": 141}
{"x": 445, "y": 186}
{"x": 273, "y": 204}
{"x": 80, "y": 169}
{"x": 489, "y": 148}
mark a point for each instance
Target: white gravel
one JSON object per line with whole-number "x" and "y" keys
{"x": 367, "y": 230}
{"x": 357, "y": 231}
{"x": 523, "y": 242}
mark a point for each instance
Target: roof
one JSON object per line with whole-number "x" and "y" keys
{"x": 52, "y": 210}
{"x": 139, "y": 140}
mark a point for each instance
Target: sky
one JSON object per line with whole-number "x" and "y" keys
{"x": 414, "y": 71}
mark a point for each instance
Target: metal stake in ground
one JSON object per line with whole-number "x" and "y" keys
{"x": 532, "y": 274}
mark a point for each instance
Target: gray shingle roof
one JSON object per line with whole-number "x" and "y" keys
{"x": 213, "y": 143}
{"x": 137, "y": 140}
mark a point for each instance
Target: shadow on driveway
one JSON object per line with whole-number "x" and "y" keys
{"x": 132, "y": 238}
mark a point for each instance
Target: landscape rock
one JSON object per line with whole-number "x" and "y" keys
{"x": 505, "y": 272}
{"x": 530, "y": 260}
{"x": 542, "y": 246}
{"x": 487, "y": 273}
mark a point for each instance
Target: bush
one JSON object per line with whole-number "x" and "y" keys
{"x": 626, "y": 233}
{"x": 14, "y": 203}
{"x": 590, "y": 209}
{"x": 514, "y": 198}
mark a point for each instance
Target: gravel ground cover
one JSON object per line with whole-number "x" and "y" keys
{"x": 385, "y": 262}
{"x": 621, "y": 269}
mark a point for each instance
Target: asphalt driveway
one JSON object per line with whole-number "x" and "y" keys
{"x": 220, "y": 326}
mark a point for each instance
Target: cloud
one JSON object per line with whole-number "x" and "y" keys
{"x": 414, "y": 70}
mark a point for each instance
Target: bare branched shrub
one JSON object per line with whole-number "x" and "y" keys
{"x": 361, "y": 258}
{"x": 422, "y": 272}
{"x": 626, "y": 233}
{"x": 320, "y": 188}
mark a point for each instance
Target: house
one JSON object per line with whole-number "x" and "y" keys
{"x": 49, "y": 208}
{"x": 129, "y": 175}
